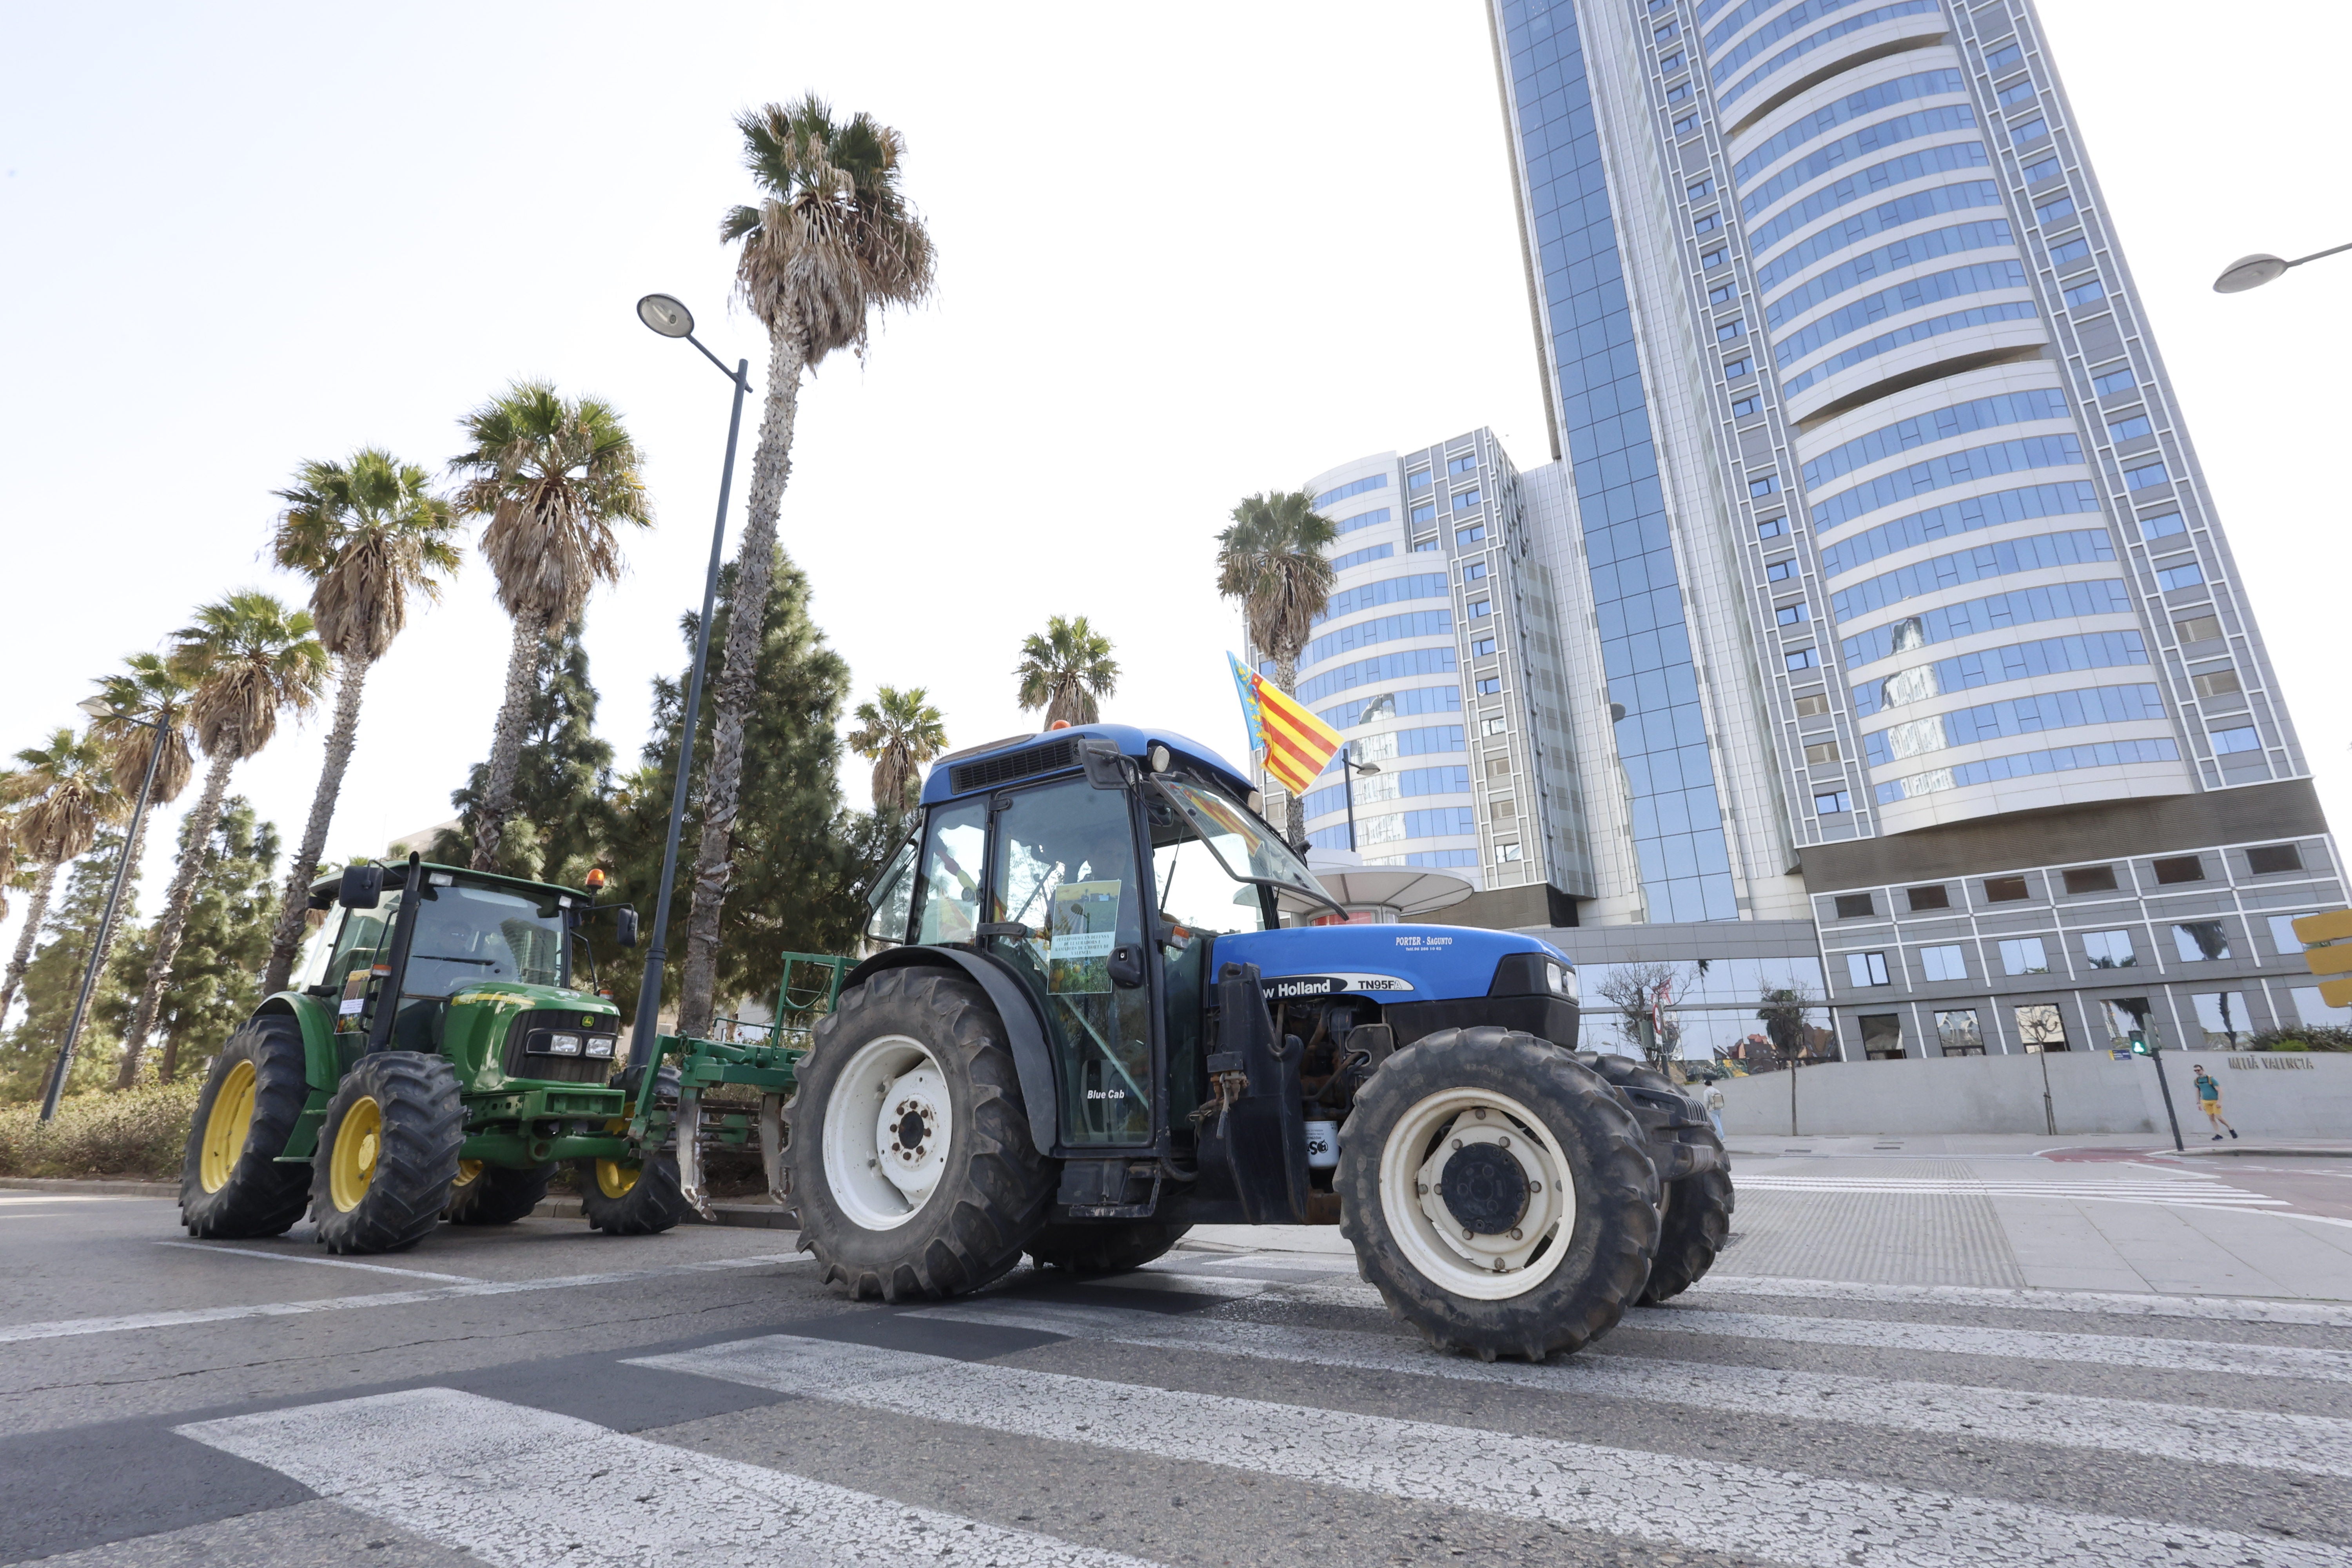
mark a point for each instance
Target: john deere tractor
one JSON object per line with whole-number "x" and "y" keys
{"x": 1089, "y": 1030}
{"x": 439, "y": 1054}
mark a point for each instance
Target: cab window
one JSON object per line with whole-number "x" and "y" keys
{"x": 948, "y": 885}
{"x": 894, "y": 898}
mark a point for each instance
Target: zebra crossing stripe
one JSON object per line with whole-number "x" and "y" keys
{"x": 519, "y": 1488}
{"x": 2105, "y": 1303}
{"x": 2201, "y": 1356}
{"x": 2312, "y": 1445}
{"x": 1742, "y": 1510}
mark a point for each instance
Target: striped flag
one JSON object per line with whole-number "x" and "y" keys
{"x": 1297, "y": 745}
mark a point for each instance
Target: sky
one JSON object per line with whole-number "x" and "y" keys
{"x": 1184, "y": 256}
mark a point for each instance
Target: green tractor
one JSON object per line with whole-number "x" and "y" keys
{"x": 440, "y": 1053}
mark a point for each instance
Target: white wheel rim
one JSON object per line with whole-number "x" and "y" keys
{"x": 891, "y": 1092}
{"x": 1485, "y": 1265}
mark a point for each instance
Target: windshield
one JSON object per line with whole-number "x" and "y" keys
{"x": 1240, "y": 847}
{"x": 465, "y": 934}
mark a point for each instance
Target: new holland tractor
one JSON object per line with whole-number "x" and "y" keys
{"x": 1089, "y": 1031}
{"x": 438, "y": 1053}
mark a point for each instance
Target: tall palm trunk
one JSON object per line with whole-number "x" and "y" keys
{"x": 173, "y": 922}
{"x": 506, "y": 743}
{"x": 43, "y": 886}
{"x": 288, "y": 938}
{"x": 1293, "y": 826}
{"x": 755, "y": 566}
{"x": 109, "y": 934}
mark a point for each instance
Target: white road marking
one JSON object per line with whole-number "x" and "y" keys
{"x": 71, "y": 1198}
{"x": 2170, "y": 1197}
{"x": 1739, "y": 1509}
{"x": 2206, "y": 1357}
{"x": 65, "y": 1328}
{"x": 520, "y": 1488}
{"x": 323, "y": 1262}
{"x": 2114, "y": 1303}
{"x": 2313, "y": 1445}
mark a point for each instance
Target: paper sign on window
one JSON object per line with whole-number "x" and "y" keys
{"x": 1085, "y": 929}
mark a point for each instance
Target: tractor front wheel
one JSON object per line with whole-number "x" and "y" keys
{"x": 1103, "y": 1247}
{"x": 494, "y": 1195}
{"x": 231, "y": 1182}
{"x": 1497, "y": 1195}
{"x": 911, "y": 1162}
{"x": 388, "y": 1153}
{"x": 1694, "y": 1213}
{"x": 627, "y": 1198}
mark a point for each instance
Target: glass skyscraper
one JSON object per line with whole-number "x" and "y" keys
{"x": 1890, "y": 603}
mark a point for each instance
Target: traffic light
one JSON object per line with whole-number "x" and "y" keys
{"x": 2329, "y": 961}
{"x": 2140, "y": 1048}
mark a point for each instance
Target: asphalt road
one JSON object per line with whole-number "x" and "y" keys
{"x": 537, "y": 1395}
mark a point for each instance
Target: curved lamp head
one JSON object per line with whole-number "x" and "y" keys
{"x": 665, "y": 315}
{"x": 96, "y": 707}
{"x": 2249, "y": 272}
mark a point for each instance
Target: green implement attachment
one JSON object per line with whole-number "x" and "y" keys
{"x": 731, "y": 1089}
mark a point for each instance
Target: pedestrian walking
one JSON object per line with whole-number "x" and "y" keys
{"x": 2209, "y": 1096}
{"x": 1714, "y": 1103}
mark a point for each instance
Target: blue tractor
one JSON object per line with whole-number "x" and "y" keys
{"x": 1090, "y": 1031}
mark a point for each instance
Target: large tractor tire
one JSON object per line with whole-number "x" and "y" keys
{"x": 231, "y": 1185}
{"x": 621, "y": 1199}
{"x": 1694, "y": 1213}
{"x": 387, "y": 1153}
{"x": 1088, "y": 1248}
{"x": 911, "y": 1162}
{"x": 493, "y": 1194}
{"x": 1497, "y": 1195}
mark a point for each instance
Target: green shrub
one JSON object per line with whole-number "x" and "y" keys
{"x": 2314, "y": 1037}
{"x": 140, "y": 1133}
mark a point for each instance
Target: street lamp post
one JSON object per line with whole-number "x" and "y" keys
{"x": 97, "y": 708}
{"x": 2254, "y": 271}
{"x": 673, "y": 320}
{"x": 1347, "y": 772}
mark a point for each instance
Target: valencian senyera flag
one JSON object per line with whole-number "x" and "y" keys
{"x": 1297, "y": 745}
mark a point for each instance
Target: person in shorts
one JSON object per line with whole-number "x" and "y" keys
{"x": 2208, "y": 1097}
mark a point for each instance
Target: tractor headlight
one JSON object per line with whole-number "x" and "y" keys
{"x": 1561, "y": 979}
{"x": 564, "y": 1045}
{"x": 600, "y": 1044}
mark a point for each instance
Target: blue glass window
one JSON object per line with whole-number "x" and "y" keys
{"x": 2004, "y": 57}
{"x": 1473, "y": 570}
{"x": 1912, "y": 294}
{"x": 1741, "y": 407}
{"x": 1482, "y": 648}
{"x": 1862, "y": 184}
{"x": 1733, "y": 369}
{"x": 1918, "y": 332}
{"x": 1425, "y": 514}
{"x": 1426, "y": 544}
{"x": 2018, "y": 93}
{"x": 1907, "y": 127}
{"x": 1686, "y": 125}
{"x": 1465, "y": 500}
{"x": 1829, "y": 803}
{"x": 1803, "y": 659}
{"x": 1698, "y": 193}
{"x": 2060, "y": 601}
{"x": 1730, "y": 332}
{"x": 2113, "y": 382}
{"x": 2032, "y": 130}
{"x": 2187, "y": 575}
{"x": 1354, "y": 487}
{"x": 1810, "y": 42}
{"x": 1490, "y": 686}
{"x": 2083, "y": 294}
{"x": 2129, "y": 429}
{"x": 1708, "y": 223}
{"x": 1463, "y": 537}
{"x": 2040, "y": 171}
{"x": 1765, "y": 486}
{"x": 1952, "y": 468}
{"x": 1435, "y": 860}
{"x": 1908, "y": 251}
{"x": 1660, "y": 34}
{"x": 2142, "y": 477}
{"x": 2158, "y": 527}
{"x": 1671, "y": 64}
{"x": 1679, "y": 93}
{"x": 2072, "y": 249}
{"x": 1992, "y": 667}
{"x": 1387, "y": 667}
{"x": 1771, "y": 528}
{"x": 2024, "y": 764}
{"x": 2056, "y": 211}
{"x": 1466, "y": 463}
{"x": 1791, "y": 615}
{"x": 1388, "y": 628}
{"x": 1406, "y": 782}
{"x": 1358, "y": 557}
{"x": 1780, "y": 571}
{"x": 1961, "y": 419}
{"x": 1946, "y": 572}
{"x": 1416, "y": 483}
{"x": 1964, "y": 516}
{"x": 1481, "y": 609}
{"x": 1846, "y": 233}
{"x": 1714, "y": 258}
{"x": 2020, "y": 716}
{"x": 1362, "y": 520}
{"x": 2242, "y": 739}
{"x": 1388, "y": 591}
{"x": 1723, "y": 295}
{"x": 1413, "y": 700}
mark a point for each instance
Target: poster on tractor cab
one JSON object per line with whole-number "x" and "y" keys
{"x": 1083, "y": 929}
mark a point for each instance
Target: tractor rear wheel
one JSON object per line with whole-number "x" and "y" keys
{"x": 231, "y": 1185}
{"x": 622, "y": 1198}
{"x": 1497, "y": 1195}
{"x": 1103, "y": 1247}
{"x": 387, "y": 1153}
{"x": 911, "y": 1162}
{"x": 495, "y": 1195}
{"x": 1694, "y": 1213}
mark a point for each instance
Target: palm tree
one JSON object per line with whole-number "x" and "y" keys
{"x": 367, "y": 535}
{"x": 832, "y": 241}
{"x": 900, "y": 730}
{"x": 147, "y": 718}
{"x": 61, "y": 796}
{"x": 1272, "y": 559}
{"x": 247, "y": 659}
{"x": 555, "y": 477}
{"x": 1065, "y": 669}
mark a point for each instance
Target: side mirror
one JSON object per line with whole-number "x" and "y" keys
{"x": 625, "y": 927}
{"x": 362, "y": 887}
{"x": 1125, "y": 967}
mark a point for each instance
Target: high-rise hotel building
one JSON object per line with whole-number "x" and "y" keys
{"x": 1882, "y": 594}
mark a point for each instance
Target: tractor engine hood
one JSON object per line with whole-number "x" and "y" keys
{"x": 1400, "y": 964}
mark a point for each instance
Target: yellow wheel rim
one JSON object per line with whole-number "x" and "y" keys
{"x": 616, "y": 1180}
{"x": 225, "y": 1127}
{"x": 353, "y": 1165}
{"x": 467, "y": 1171}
